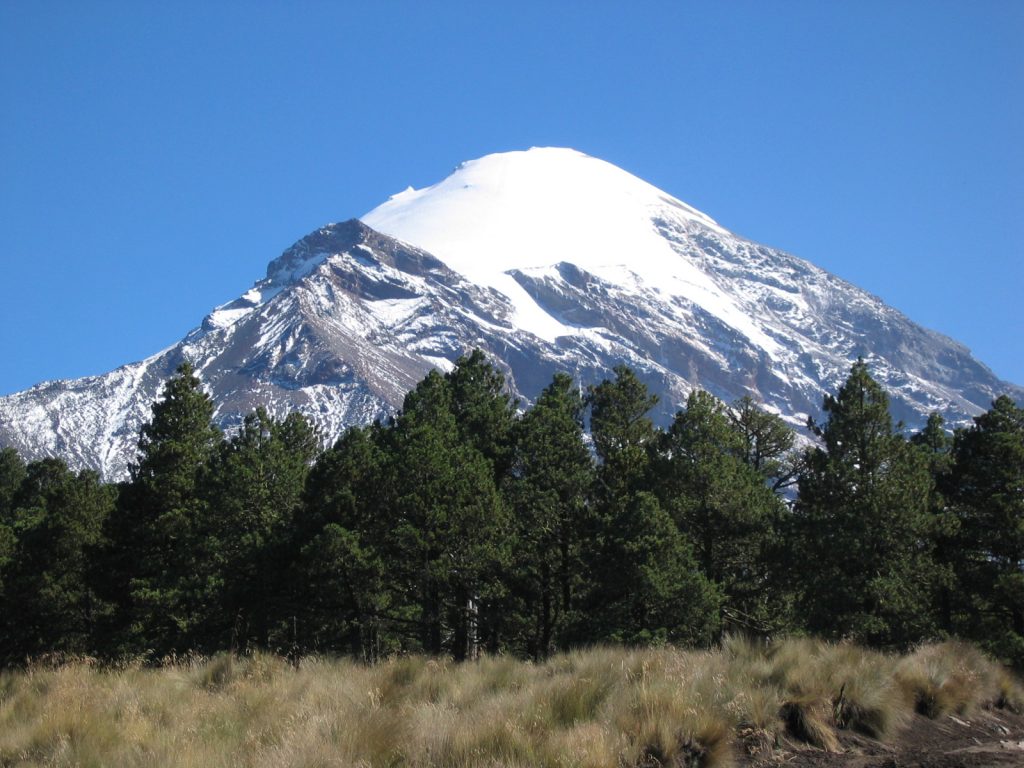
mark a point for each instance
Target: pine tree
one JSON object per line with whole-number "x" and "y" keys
{"x": 622, "y": 431}
{"x": 345, "y": 484}
{"x": 547, "y": 487}
{"x": 767, "y": 443}
{"x": 156, "y": 534}
{"x": 643, "y": 584}
{"x": 253, "y": 493}
{"x": 49, "y": 604}
{"x": 338, "y": 597}
{"x": 710, "y": 479}
{"x": 449, "y": 540}
{"x": 988, "y": 496}
{"x": 12, "y": 473}
{"x": 863, "y": 556}
{"x": 343, "y": 596}
{"x": 484, "y": 411}
{"x": 935, "y": 444}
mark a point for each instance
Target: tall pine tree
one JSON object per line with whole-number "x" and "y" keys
{"x": 767, "y": 443}
{"x": 157, "y": 534}
{"x": 988, "y": 496}
{"x": 484, "y": 410}
{"x": 643, "y": 584}
{"x": 49, "y": 603}
{"x": 12, "y": 472}
{"x": 449, "y": 540}
{"x": 339, "y": 597}
{"x": 863, "y": 556}
{"x": 709, "y": 476}
{"x": 253, "y": 494}
{"x": 547, "y": 489}
{"x": 935, "y": 444}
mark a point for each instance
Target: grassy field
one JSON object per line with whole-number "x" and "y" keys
{"x": 603, "y": 707}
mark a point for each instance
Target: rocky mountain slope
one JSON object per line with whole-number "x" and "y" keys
{"x": 548, "y": 260}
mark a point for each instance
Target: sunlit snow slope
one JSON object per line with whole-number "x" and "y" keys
{"x": 534, "y": 209}
{"x": 547, "y": 259}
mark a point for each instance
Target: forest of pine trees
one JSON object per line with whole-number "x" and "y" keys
{"x": 464, "y": 525}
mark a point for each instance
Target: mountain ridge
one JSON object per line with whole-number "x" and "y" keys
{"x": 539, "y": 273}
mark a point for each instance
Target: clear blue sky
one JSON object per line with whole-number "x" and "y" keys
{"x": 155, "y": 156}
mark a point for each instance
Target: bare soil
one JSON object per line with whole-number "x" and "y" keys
{"x": 986, "y": 739}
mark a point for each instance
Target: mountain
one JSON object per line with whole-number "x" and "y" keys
{"x": 548, "y": 260}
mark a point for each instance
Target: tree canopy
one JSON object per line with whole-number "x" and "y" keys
{"x": 466, "y": 524}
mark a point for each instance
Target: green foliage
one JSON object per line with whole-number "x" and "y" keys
{"x": 767, "y": 443}
{"x": 863, "y": 552}
{"x": 336, "y": 596}
{"x": 176, "y": 444}
{"x": 935, "y": 445}
{"x": 255, "y": 486}
{"x": 711, "y": 475}
{"x": 48, "y": 604}
{"x": 158, "y": 531}
{"x": 450, "y": 529}
{"x": 483, "y": 409}
{"x": 644, "y": 583}
{"x": 547, "y": 488}
{"x": 12, "y": 473}
{"x": 343, "y": 486}
{"x": 344, "y": 595}
{"x": 461, "y": 526}
{"x": 622, "y": 431}
{"x": 987, "y": 492}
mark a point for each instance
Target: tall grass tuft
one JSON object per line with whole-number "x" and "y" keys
{"x": 956, "y": 678}
{"x": 599, "y": 708}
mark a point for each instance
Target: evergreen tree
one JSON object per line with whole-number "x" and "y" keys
{"x": 935, "y": 444}
{"x": 338, "y": 598}
{"x": 345, "y": 485}
{"x": 723, "y": 504}
{"x": 458, "y": 526}
{"x": 643, "y": 584}
{"x": 767, "y": 443}
{"x": 343, "y": 586}
{"x": 988, "y": 495}
{"x": 449, "y": 540}
{"x": 547, "y": 488}
{"x": 254, "y": 491}
{"x": 484, "y": 411}
{"x": 156, "y": 562}
{"x": 12, "y": 473}
{"x": 622, "y": 431}
{"x": 49, "y": 604}
{"x": 863, "y": 557}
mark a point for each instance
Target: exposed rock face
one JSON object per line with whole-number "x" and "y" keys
{"x": 548, "y": 260}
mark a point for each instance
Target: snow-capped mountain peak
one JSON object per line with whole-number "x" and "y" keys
{"x": 534, "y": 209}
{"x": 551, "y": 261}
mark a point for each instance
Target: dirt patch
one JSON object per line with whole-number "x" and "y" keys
{"x": 986, "y": 739}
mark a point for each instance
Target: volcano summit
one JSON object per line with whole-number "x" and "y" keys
{"x": 548, "y": 260}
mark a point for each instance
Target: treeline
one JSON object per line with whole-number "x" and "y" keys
{"x": 464, "y": 525}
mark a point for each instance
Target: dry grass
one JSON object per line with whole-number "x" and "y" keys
{"x": 602, "y": 708}
{"x": 956, "y": 678}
